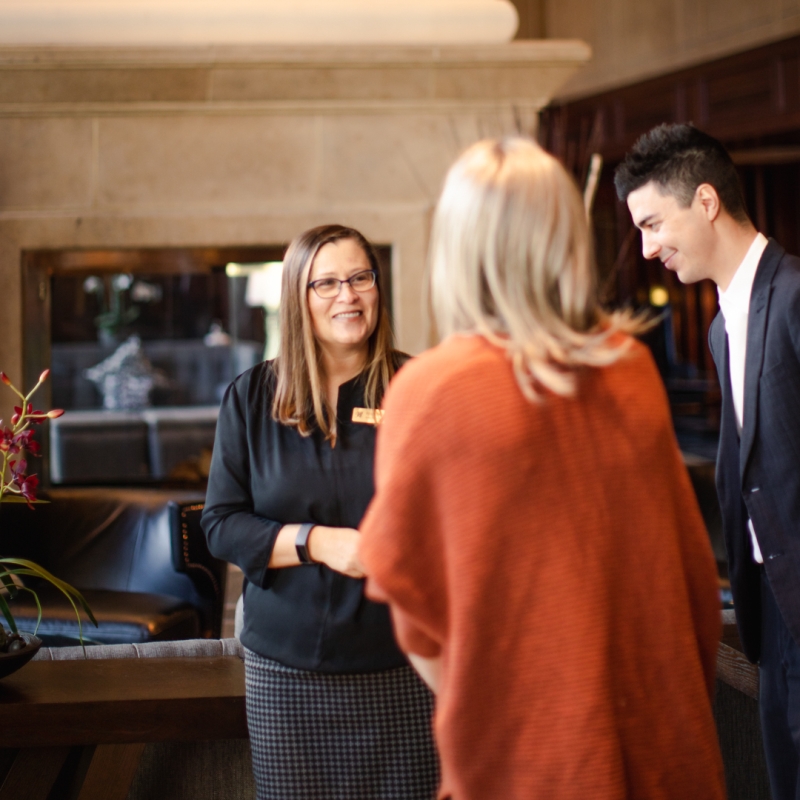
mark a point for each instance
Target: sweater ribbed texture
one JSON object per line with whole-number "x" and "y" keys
{"x": 553, "y": 553}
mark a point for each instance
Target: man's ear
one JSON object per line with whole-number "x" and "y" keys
{"x": 708, "y": 199}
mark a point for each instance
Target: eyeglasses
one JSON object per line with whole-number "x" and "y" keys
{"x": 326, "y": 288}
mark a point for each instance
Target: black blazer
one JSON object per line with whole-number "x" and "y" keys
{"x": 759, "y": 476}
{"x": 264, "y": 475}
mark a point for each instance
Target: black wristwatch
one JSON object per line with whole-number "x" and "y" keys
{"x": 301, "y": 543}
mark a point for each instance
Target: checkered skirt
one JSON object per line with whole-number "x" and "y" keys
{"x": 320, "y": 736}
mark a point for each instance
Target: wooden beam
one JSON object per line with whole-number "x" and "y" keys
{"x": 111, "y": 772}
{"x": 33, "y": 773}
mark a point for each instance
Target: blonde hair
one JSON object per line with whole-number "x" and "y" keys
{"x": 300, "y": 400}
{"x": 511, "y": 259}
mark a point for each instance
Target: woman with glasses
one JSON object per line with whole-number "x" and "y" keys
{"x": 534, "y": 528}
{"x": 333, "y": 709}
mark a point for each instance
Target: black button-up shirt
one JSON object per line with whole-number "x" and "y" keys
{"x": 265, "y": 475}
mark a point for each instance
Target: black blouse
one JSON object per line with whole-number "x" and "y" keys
{"x": 265, "y": 475}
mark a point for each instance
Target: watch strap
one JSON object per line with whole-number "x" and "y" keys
{"x": 301, "y": 543}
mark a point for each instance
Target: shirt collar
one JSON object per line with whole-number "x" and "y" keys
{"x": 737, "y": 295}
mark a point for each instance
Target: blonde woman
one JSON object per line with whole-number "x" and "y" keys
{"x": 533, "y": 528}
{"x": 333, "y": 709}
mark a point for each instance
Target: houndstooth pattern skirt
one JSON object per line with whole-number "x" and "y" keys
{"x": 320, "y": 736}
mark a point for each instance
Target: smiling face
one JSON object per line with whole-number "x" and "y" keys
{"x": 344, "y": 323}
{"x": 682, "y": 237}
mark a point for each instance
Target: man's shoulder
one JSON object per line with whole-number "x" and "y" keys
{"x": 785, "y": 267}
{"x": 784, "y": 293}
{"x": 788, "y": 270}
{"x": 783, "y": 296}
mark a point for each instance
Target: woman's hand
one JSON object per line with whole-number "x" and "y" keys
{"x": 337, "y": 548}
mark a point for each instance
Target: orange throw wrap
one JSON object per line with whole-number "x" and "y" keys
{"x": 554, "y": 555}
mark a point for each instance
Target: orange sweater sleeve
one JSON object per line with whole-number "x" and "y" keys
{"x": 401, "y": 537}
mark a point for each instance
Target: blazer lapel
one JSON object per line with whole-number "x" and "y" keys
{"x": 756, "y": 328}
{"x": 728, "y": 414}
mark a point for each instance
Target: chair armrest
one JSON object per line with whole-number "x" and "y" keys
{"x": 190, "y": 555}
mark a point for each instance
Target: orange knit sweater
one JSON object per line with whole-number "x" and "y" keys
{"x": 553, "y": 554}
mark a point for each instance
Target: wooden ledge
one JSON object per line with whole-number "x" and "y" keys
{"x": 732, "y": 665}
{"x": 734, "y": 669}
{"x": 118, "y": 701}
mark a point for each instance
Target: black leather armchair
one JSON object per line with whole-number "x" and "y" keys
{"x": 138, "y": 556}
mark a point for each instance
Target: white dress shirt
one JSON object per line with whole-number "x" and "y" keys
{"x": 734, "y": 303}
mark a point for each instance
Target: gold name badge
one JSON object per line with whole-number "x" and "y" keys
{"x": 368, "y": 416}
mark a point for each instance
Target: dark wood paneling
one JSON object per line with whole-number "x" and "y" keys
{"x": 755, "y": 93}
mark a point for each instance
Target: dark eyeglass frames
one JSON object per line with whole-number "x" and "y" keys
{"x": 326, "y": 288}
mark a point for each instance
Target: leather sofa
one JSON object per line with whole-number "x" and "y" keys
{"x": 196, "y": 373}
{"x": 125, "y": 447}
{"x": 138, "y": 556}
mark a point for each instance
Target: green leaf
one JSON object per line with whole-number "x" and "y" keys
{"x": 31, "y": 568}
{"x": 5, "y": 577}
{"x": 7, "y": 614}
{"x": 68, "y": 591}
{"x": 38, "y": 606}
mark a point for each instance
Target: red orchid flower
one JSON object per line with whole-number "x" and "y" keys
{"x": 28, "y": 489}
{"x": 7, "y": 441}
{"x": 15, "y": 484}
{"x": 25, "y": 484}
{"x": 33, "y": 447}
{"x": 33, "y": 415}
{"x": 19, "y": 438}
{"x": 18, "y": 470}
{"x": 13, "y": 443}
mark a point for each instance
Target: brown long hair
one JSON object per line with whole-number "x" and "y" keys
{"x": 299, "y": 398}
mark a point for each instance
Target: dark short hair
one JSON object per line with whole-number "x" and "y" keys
{"x": 679, "y": 158}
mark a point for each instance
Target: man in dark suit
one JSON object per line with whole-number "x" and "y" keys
{"x": 684, "y": 195}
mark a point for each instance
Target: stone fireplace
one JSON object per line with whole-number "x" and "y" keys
{"x": 243, "y": 146}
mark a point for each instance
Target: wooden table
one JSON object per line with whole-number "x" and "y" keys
{"x": 733, "y": 667}
{"x": 77, "y": 728}
{"x": 737, "y": 717}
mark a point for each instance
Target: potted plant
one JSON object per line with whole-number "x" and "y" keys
{"x": 17, "y": 486}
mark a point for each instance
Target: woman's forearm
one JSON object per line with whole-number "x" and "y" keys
{"x": 284, "y": 553}
{"x": 337, "y": 548}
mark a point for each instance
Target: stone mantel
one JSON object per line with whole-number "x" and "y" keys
{"x": 81, "y": 81}
{"x": 531, "y": 50}
{"x": 247, "y": 145}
